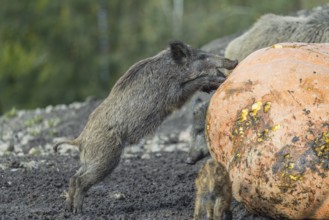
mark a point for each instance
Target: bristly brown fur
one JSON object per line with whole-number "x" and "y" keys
{"x": 131, "y": 74}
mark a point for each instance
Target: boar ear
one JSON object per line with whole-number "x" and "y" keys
{"x": 179, "y": 52}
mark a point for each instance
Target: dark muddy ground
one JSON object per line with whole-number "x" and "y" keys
{"x": 161, "y": 187}
{"x": 156, "y": 188}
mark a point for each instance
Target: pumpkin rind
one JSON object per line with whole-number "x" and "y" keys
{"x": 269, "y": 124}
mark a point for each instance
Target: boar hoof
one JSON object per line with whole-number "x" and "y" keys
{"x": 68, "y": 205}
{"x": 227, "y": 215}
{"x": 195, "y": 155}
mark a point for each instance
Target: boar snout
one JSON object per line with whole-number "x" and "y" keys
{"x": 226, "y": 64}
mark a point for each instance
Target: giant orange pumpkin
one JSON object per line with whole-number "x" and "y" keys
{"x": 269, "y": 124}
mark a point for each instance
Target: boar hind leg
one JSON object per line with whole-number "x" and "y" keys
{"x": 71, "y": 191}
{"x": 87, "y": 176}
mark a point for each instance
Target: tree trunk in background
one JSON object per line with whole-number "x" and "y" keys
{"x": 299, "y": 4}
{"x": 177, "y": 17}
{"x": 104, "y": 73}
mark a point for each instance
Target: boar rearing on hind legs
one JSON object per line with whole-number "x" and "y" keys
{"x": 140, "y": 100}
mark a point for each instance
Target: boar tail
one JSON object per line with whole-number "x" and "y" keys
{"x": 69, "y": 142}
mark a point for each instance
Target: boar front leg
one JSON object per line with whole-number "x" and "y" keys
{"x": 204, "y": 83}
{"x": 222, "y": 209}
{"x": 199, "y": 148}
{"x": 198, "y": 209}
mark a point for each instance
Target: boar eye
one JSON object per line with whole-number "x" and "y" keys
{"x": 202, "y": 57}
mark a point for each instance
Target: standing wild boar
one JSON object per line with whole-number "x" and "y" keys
{"x": 140, "y": 100}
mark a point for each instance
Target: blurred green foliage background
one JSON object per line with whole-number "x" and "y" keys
{"x": 55, "y": 52}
